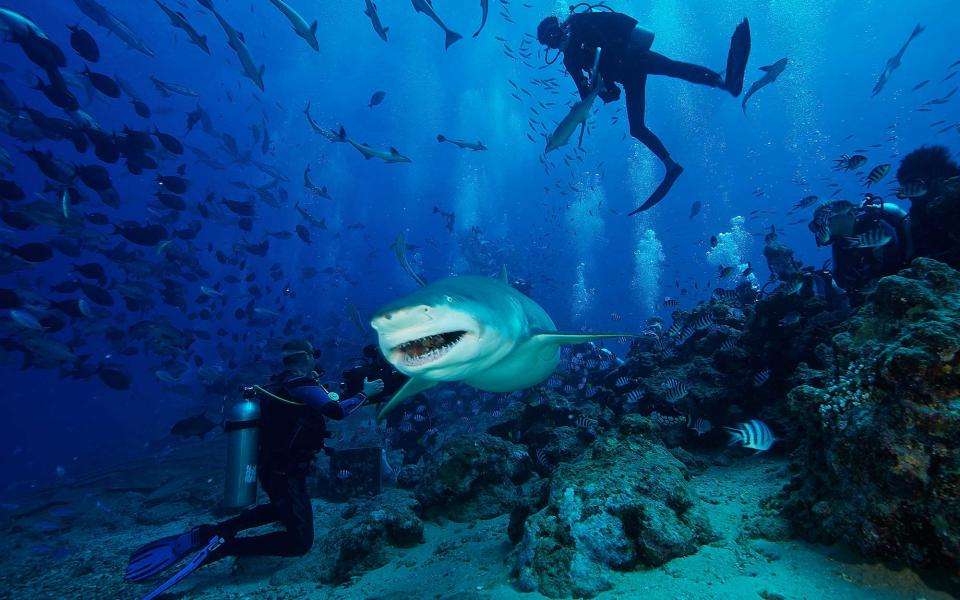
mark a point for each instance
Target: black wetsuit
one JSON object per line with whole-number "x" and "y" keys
{"x": 290, "y": 437}
{"x": 855, "y": 268}
{"x": 625, "y": 59}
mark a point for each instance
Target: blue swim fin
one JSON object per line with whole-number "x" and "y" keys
{"x": 159, "y": 555}
{"x": 195, "y": 563}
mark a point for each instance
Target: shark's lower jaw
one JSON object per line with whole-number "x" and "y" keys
{"x": 429, "y": 349}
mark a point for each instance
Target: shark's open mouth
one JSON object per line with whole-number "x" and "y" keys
{"x": 428, "y": 349}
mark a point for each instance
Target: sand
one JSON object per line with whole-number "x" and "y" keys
{"x": 464, "y": 561}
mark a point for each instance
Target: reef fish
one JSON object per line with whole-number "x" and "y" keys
{"x": 771, "y": 72}
{"x": 754, "y": 435}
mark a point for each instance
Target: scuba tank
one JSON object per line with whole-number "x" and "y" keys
{"x": 242, "y": 427}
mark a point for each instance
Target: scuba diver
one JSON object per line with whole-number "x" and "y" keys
{"x": 627, "y": 58}
{"x": 867, "y": 243}
{"x": 293, "y": 410}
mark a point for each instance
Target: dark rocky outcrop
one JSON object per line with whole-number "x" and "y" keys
{"x": 473, "y": 477}
{"x": 878, "y": 429}
{"x": 622, "y": 504}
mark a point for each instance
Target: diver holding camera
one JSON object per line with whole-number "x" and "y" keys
{"x": 274, "y": 439}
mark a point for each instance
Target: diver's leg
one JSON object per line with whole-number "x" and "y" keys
{"x": 636, "y": 91}
{"x": 289, "y": 505}
{"x": 636, "y": 107}
{"x": 658, "y": 64}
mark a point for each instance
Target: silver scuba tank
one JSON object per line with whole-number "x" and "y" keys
{"x": 242, "y": 427}
{"x": 641, "y": 39}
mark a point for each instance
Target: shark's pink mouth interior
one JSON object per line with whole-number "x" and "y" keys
{"x": 429, "y": 348}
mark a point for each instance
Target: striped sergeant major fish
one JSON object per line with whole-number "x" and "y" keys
{"x": 875, "y": 238}
{"x": 878, "y": 173}
{"x": 754, "y": 435}
{"x": 699, "y": 424}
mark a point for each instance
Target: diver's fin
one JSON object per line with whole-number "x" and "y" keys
{"x": 737, "y": 58}
{"x": 195, "y": 563}
{"x": 159, "y": 555}
{"x": 662, "y": 190}
{"x": 411, "y": 388}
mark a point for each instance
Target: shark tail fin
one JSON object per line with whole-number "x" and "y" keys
{"x": 452, "y": 37}
{"x": 440, "y": 138}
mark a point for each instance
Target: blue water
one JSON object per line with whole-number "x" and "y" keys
{"x": 584, "y": 258}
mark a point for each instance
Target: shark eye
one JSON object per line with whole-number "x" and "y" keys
{"x": 449, "y": 299}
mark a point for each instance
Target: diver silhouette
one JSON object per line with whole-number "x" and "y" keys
{"x": 627, "y": 58}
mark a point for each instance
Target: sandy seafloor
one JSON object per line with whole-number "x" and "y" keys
{"x": 465, "y": 561}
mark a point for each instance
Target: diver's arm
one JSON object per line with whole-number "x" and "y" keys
{"x": 320, "y": 401}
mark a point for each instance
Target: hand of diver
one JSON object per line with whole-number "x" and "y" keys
{"x": 372, "y": 388}
{"x": 609, "y": 93}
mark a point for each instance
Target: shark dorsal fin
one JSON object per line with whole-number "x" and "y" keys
{"x": 766, "y": 68}
{"x": 503, "y": 275}
{"x": 394, "y": 151}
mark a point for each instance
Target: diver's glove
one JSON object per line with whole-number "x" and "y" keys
{"x": 372, "y": 388}
{"x": 609, "y": 93}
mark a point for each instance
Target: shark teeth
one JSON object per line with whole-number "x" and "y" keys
{"x": 428, "y": 349}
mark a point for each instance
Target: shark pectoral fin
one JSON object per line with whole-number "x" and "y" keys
{"x": 558, "y": 338}
{"x": 767, "y": 68}
{"x": 503, "y": 275}
{"x": 411, "y": 388}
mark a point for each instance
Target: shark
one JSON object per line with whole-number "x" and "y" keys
{"x": 18, "y": 26}
{"x": 179, "y": 20}
{"x": 476, "y": 146}
{"x": 236, "y": 41}
{"x": 894, "y": 62}
{"x": 485, "y": 9}
{"x": 390, "y": 156}
{"x": 578, "y": 115}
{"x": 305, "y": 30}
{"x": 426, "y": 7}
{"x": 771, "y": 72}
{"x": 371, "y": 12}
{"x": 476, "y": 330}
{"x": 104, "y": 18}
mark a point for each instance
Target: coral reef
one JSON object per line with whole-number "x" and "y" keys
{"x": 360, "y": 544}
{"x": 473, "y": 477}
{"x": 623, "y": 503}
{"x": 878, "y": 428}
